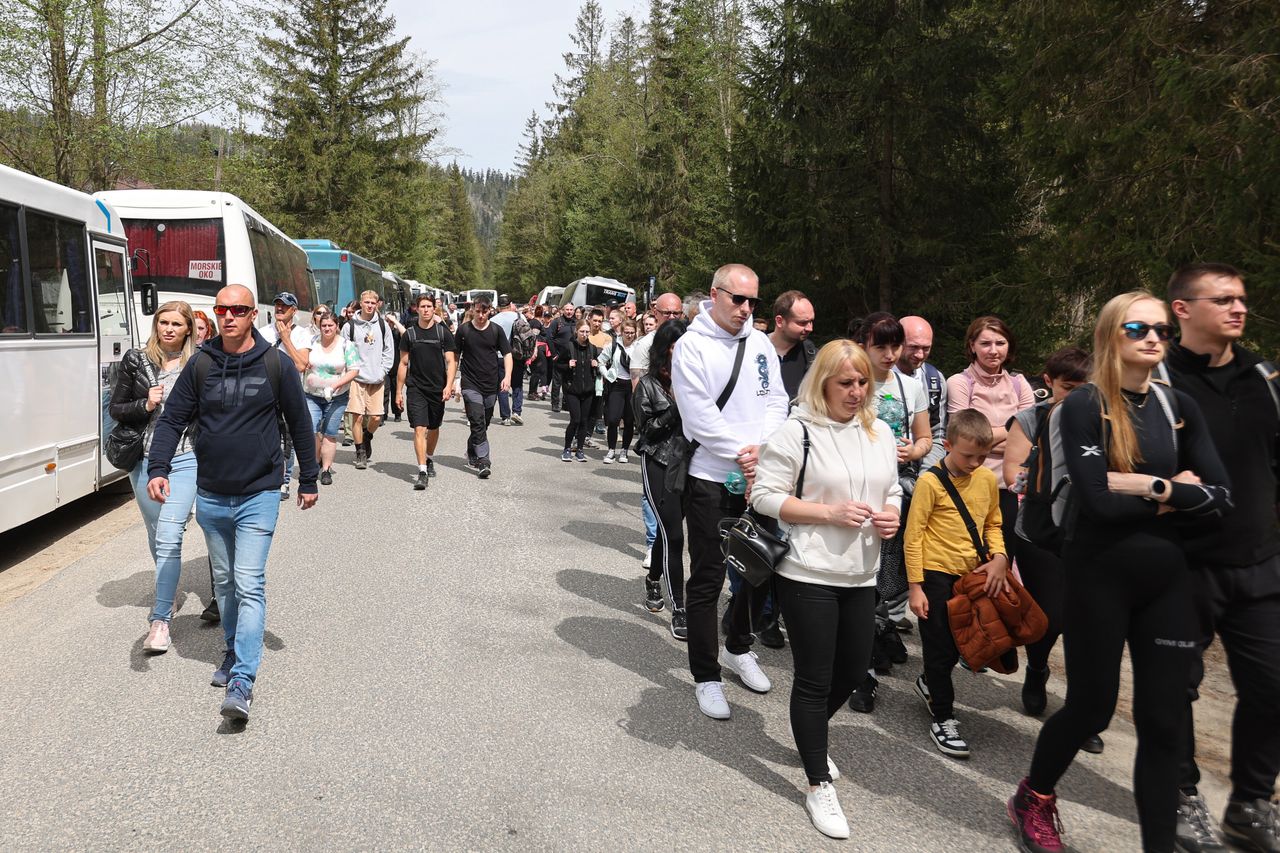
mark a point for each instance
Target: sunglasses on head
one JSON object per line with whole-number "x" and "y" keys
{"x": 738, "y": 299}
{"x": 233, "y": 310}
{"x": 1137, "y": 331}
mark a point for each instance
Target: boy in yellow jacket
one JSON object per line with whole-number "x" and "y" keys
{"x": 939, "y": 551}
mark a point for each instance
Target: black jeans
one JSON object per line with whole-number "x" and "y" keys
{"x": 831, "y": 630}
{"x": 666, "y": 561}
{"x": 617, "y": 407}
{"x": 390, "y": 403}
{"x": 579, "y": 406}
{"x": 1008, "y": 521}
{"x": 1042, "y": 575}
{"x": 479, "y": 408}
{"x": 557, "y": 387}
{"x": 938, "y": 645}
{"x": 705, "y": 503}
{"x": 1243, "y": 606}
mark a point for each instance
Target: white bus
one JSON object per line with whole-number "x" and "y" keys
{"x": 188, "y": 244}
{"x": 65, "y": 323}
{"x": 549, "y": 295}
{"x": 596, "y": 290}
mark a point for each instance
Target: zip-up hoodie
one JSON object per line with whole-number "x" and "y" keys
{"x": 700, "y": 369}
{"x": 844, "y": 464}
{"x": 237, "y": 447}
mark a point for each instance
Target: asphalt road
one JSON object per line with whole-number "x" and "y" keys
{"x": 470, "y": 667}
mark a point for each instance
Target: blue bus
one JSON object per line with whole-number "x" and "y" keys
{"x": 341, "y": 276}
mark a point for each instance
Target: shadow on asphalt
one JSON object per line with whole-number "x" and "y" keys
{"x": 615, "y": 536}
{"x": 629, "y": 473}
{"x": 622, "y": 500}
{"x": 546, "y": 451}
{"x": 614, "y": 592}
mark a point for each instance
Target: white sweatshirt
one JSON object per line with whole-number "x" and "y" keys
{"x": 844, "y": 464}
{"x": 700, "y": 369}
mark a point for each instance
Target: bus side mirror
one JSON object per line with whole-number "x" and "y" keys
{"x": 149, "y": 298}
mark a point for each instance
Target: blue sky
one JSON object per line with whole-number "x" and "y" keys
{"x": 496, "y": 61}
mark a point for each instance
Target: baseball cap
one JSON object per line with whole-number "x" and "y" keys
{"x": 287, "y": 299}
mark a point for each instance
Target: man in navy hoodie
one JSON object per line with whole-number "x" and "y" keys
{"x": 239, "y": 461}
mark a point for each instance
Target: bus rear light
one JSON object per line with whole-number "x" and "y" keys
{"x": 343, "y": 257}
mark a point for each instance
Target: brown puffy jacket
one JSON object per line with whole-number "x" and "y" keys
{"x": 986, "y": 628}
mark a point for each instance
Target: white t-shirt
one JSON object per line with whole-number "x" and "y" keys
{"x": 888, "y": 400}
{"x": 639, "y": 352}
{"x": 301, "y": 336}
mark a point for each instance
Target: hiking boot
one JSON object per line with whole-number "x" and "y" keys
{"x": 420, "y": 481}
{"x": 326, "y": 477}
{"x": 1194, "y": 831}
{"x": 824, "y": 810}
{"x": 223, "y": 673}
{"x": 368, "y": 446}
{"x": 771, "y": 636}
{"x": 711, "y": 699}
{"x": 1036, "y": 819}
{"x": 1092, "y": 745}
{"x": 567, "y": 456}
{"x": 746, "y": 668}
{"x": 157, "y": 641}
{"x": 679, "y": 624}
{"x": 863, "y": 697}
{"x": 1034, "y": 698}
{"x": 516, "y": 419}
{"x": 238, "y": 699}
{"x": 210, "y": 613}
{"x": 653, "y": 599}
{"x": 1252, "y": 825}
{"x": 362, "y": 461}
{"x": 431, "y": 468}
{"x": 610, "y": 457}
{"x": 622, "y": 456}
{"x": 946, "y": 737}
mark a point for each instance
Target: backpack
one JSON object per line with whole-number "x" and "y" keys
{"x": 349, "y": 330}
{"x": 524, "y": 339}
{"x": 1047, "y": 515}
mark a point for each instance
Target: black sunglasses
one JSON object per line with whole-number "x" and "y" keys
{"x": 738, "y": 299}
{"x": 1137, "y": 331}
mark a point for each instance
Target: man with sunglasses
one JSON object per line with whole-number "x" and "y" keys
{"x": 1235, "y": 560}
{"x": 485, "y": 355}
{"x": 227, "y": 393}
{"x": 666, "y": 307}
{"x": 704, "y": 364}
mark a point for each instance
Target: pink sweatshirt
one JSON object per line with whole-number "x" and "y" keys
{"x": 999, "y": 397}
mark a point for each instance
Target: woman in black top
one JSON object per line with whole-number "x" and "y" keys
{"x": 662, "y": 443}
{"x": 577, "y": 362}
{"x": 1136, "y": 454}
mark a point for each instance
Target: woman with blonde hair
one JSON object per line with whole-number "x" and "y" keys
{"x": 830, "y": 473}
{"x": 143, "y": 383}
{"x": 1136, "y": 453}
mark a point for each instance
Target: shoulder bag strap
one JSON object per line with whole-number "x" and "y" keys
{"x": 940, "y": 472}
{"x": 804, "y": 465}
{"x": 723, "y": 399}
{"x": 1271, "y": 376}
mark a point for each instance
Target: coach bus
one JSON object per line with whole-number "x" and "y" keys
{"x": 395, "y": 291}
{"x": 341, "y": 276}
{"x": 189, "y": 244}
{"x": 468, "y": 296}
{"x": 596, "y": 290}
{"x": 65, "y": 323}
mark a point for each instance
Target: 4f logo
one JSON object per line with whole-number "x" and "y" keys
{"x": 1090, "y": 450}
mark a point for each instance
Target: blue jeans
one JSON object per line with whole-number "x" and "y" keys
{"x": 238, "y": 531}
{"x": 650, "y": 522}
{"x": 514, "y": 400}
{"x": 165, "y": 524}
{"x": 327, "y": 415}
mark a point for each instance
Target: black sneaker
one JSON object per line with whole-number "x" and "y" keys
{"x": 362, "y": 461}
{"x": 210, "y": 614}
{"x": 863, "y": 697}
{"x": 420, "y": 481}
{"x": 893, "y": 645}
{"x": 679, "y": 624}
{"x": 1034, "y": 698}
{"x": 284, "y": 494}
{"x": 881, "y": 661}
{"x": 771, "y": 635}
{"x": 326, "y": 477}
{"x": 238, "y": 699}
{"x": 653, "y": 599}
{"x": 485, "y": 470}
{"x": 1093, "y": 745}
{"x": 946, "y": 737}
{"x": 223, "y": 673}
{"x": 346, "y": 441}
{"x": 431, "y": 468}
{"x": 1194, "y": 831}
{"x": 1252, "y": 825}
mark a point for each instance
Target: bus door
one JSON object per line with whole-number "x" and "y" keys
{"x": 115, "y": 335}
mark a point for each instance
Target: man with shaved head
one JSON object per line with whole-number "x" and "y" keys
{"x": 914, "y": 362}
{"x": 229, "y": 396}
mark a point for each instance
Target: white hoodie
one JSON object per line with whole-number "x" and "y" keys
{"x": 700, "y": 369}
{"x": 844, "y": 464}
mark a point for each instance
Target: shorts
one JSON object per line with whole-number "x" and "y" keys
{"x": 425, "y": 408}
{"x": 366, "y": 398}
{"x": 327, "y": 415}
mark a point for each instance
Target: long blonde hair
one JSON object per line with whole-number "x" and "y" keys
{"x": 829, "y": 361}
{"x": 1123, "y": 452}
{"x": 153, "y": 349}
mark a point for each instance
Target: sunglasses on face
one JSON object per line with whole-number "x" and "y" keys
{"x": 1138, "y": 331}
{"x": 738, "y": 299}
{"x": 233, "y": 310}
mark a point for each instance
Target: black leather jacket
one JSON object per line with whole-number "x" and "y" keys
{"x": 661, "y": 437}
{"x": 129, "y": 393}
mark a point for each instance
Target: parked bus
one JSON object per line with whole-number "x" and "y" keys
{"x": 341, "y": 276}
{"x": 188, "y": 244}
{"x": 595, "y": 290}
{"x": 65, "y": 323}
{"x": 549, "y": 296}
{"x": 469, "y": 296}
{"x": 395, "y": 291}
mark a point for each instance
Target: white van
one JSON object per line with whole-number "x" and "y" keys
{"x": 596, "y": 290}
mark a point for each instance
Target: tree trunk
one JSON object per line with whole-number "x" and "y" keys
{"x": 55, "y": 15}
{"x": 100, "y": 139}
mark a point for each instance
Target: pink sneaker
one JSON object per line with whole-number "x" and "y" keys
{"x": 157, "y": 640}
{"x": 1036, "y": 818}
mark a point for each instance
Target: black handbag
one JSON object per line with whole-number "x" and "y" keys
{"x": 753, "y": 543}
{"x": 126, "y": 442}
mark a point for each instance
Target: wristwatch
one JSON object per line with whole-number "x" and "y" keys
{"x": 1157, "y": 488}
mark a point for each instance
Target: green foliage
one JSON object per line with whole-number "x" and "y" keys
{"x": 461, "y": 265}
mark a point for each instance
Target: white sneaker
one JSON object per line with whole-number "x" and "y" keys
{"x": 711, "y": 699}
{"x": 824, "y": 810}
{"x": 746, "y": 668}
{"x": 622, "y": 456}
{"x": 610, "y": 457}
{"x": 648, "y": 558}
{"x": 832, "y": 769}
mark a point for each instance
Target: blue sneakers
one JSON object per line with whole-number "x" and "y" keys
{"x": 236, "y": 704}
{"x": 223, "y": 673}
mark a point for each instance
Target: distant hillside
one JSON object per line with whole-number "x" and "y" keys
{"x": 487, "y": 191}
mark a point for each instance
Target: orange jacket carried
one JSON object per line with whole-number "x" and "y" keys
{"x": 986, "y": 628}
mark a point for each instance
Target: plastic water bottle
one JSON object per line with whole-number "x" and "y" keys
{"x": 735, "y": 483}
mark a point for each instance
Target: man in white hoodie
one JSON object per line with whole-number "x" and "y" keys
{"x": 728, "y": 441}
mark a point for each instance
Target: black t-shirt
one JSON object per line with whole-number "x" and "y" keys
{"x": 481, "y": 351}
{"x": 794, "y": 366}
{"x": 426, "y": 348}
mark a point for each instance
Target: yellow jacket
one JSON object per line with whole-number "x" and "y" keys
{"x": 936, "y": 538}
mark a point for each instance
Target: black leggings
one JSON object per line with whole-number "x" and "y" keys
{"x": 617, "y": 407}
{"x": 1042, "y": 575}
{"x": 1136, "y": 590}
{"x": 831, "y": 629}
{"x": 579, "y": 406}
{"x": 666, "y": 561}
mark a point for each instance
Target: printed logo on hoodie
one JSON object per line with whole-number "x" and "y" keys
{"x": 762, "y": 369}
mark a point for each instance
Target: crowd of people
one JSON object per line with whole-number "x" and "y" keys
{"x": 895, "y": 487}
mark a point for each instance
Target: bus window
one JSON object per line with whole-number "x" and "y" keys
{"x": 186, "y": 256}
{"x": 113, "y": 312}
{"x": 327, "y": 285}
{"x": 366, "y": 279}
{"x": 13, "y": 301}
{"x": 280, "y": 266}
{"x": 59, "y": 280}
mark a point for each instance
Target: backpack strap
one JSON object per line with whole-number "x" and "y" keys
{"x": 271, "y": 358}
{"x": 1169, "y": 403}
{"x": 1270, "y": 375}
{"x": 940, "y": 471}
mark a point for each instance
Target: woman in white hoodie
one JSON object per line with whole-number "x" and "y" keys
{"x": 826, "y": 585}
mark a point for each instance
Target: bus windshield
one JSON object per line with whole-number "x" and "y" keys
{"x": 327, "y": 286}
{"x": 600, "y": 295}
{"x": 182, "y": 255}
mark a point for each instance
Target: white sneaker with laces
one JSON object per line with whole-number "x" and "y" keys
{"x": 610, "y": 457}
{"x": 832, "y": 769}
{"x": 824, "y": 810}
{"x": 746, "y": 668}
{"x": 946, "y": 737}
{"x": 622, "y": 457}
{"x": 711, "y": 699}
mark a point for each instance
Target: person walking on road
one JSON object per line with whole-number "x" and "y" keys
{"x": 485, "y": 355}
{"x": 560, "y": 334}
{"x": 372, "y": 336}
{"x": 333, "y": 363}
{"x": 295, "y": 342}
{"x": 579, "y": 361}
{"x": 729, "y": 391}
{"x": 236, "y": 386}
{"x": 428, "y": 365}
{"x": 615, "y": 364}
{"x": 517, "y": 330}
{"x": 143, "y": 383}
